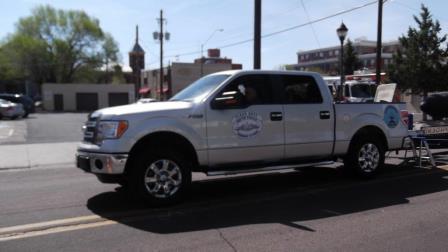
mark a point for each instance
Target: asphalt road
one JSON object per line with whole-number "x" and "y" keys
{"x": 403, "y": 209}
{"x": 62, "y": 208}
{"x": 43, "y": 128}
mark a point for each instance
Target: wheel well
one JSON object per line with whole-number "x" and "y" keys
{"x": 371, "y": 131}
{"x": 162, "y": 140}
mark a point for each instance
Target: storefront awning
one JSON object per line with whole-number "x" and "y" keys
{"x": 144, "y": 90}
{"x": 165, "y": 90}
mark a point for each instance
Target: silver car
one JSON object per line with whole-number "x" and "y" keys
{"x": 10, "y": 109}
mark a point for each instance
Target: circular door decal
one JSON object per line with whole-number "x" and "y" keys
{"x": 247, "y": 124}
{"x": 391, "y": 116}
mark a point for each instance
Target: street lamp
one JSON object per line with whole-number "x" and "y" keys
{"x": 342, "y": 33}
{"x": 202, "y": 49}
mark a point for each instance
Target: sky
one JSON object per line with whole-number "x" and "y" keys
{"x": 192, "y": 23}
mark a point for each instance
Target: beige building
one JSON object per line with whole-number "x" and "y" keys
{"x": 179, "y": 75}
{"x": 85, "y": 97}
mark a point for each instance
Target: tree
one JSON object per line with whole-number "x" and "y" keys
{"x": 420, "y": 66}
{"x": 110, "y": 53}
{"x": 56, "y": 46}
{"x": 351, "y": 60}
{"x": 7, "y": 71}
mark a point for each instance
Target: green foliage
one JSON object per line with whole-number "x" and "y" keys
{"x": 420, "y": 65}
{"x": 7, "y": 71}
{"x": 316, "y": 70}
{"x": 57, "y": 46}
{"x": 351, "y": 61}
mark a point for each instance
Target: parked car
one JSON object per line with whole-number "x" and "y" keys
{"x": 10, "y": 109}
{"x": 27, "y": 102}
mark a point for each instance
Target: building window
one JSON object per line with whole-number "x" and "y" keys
{"x": 321, "y": 54}
{"x": 336, "y": 52}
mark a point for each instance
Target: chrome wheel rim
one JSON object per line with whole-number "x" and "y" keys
{"x": 369, "y": 157}
{"x": 163, "y": 178}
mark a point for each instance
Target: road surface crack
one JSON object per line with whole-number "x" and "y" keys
{"x": 227, "y": 241}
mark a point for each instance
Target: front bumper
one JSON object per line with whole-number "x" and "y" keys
{"x": 101, "y": 163}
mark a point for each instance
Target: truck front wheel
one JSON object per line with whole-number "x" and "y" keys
{"x": 365, "y": 156}
{"x": 161, "y": 178}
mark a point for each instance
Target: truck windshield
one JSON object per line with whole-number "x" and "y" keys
{"x": 200, "y": 88}
{"x": 363, "y": 90}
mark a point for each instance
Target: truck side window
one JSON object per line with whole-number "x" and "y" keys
{"x": 301, "y": 89}
{"x": 347, "y": 90}
{"x": 254, "y": 89}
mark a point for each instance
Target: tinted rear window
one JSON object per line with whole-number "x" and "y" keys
{"x": 301, "y": 89}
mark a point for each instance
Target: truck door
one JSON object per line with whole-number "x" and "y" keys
{"x": 245, "y": 123}
{"x": 308, "y": 118}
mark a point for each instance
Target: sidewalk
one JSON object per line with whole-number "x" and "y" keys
{"x": 37, "y": 155}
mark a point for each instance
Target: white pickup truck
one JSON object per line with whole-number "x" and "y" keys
{"x": 235, "y": 122}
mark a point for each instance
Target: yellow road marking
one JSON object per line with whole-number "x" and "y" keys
{"x": 49, "y": 224}
{"x": 14, "y": 236}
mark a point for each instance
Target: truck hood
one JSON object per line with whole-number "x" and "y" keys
{"x": 154, "y": 108}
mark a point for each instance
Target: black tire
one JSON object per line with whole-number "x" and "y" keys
{"x": 365, "y": 157}
{"x": 161, "y": 178}
{"x": 25, "y": 115}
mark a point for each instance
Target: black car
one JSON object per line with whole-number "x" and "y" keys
{"x": 27, "y": 102}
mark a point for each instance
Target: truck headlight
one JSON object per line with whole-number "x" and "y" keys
{"x": 110, "y": 130}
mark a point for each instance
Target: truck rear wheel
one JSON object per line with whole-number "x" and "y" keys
{"x": 365, "y": 156}
{"x": 160, "y": 178}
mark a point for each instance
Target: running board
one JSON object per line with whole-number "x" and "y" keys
{"x": 264, "y": 169}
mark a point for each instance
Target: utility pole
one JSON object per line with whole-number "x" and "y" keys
{"x": 160, "y": 36}
{"x": 379, "y": 42}
{"x": 161, "y": 53}
{"x": 257, "y": 35}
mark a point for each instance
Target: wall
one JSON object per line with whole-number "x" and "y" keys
{"x": 69, "y": 92}
{"x": 182, "y": 74}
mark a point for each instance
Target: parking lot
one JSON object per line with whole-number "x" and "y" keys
{"x": 312, "y": 209}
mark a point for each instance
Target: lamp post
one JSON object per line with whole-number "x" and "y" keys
{"x": 202, "y": 49}
{"x": 342, "y": 33}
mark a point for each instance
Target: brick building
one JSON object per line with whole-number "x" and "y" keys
{"x": 326, "y": 60}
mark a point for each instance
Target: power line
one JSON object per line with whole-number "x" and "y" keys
{"x": 320, "y": 19}
{"x": 405, "y": 5}
{"x": 311, "y": 25}
{"x": 286, "y": 29}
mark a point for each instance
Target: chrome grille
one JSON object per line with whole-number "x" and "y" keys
{"x": 89, "y": 129}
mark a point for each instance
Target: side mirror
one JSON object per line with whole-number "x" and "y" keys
{"x": 228, "y": 100}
